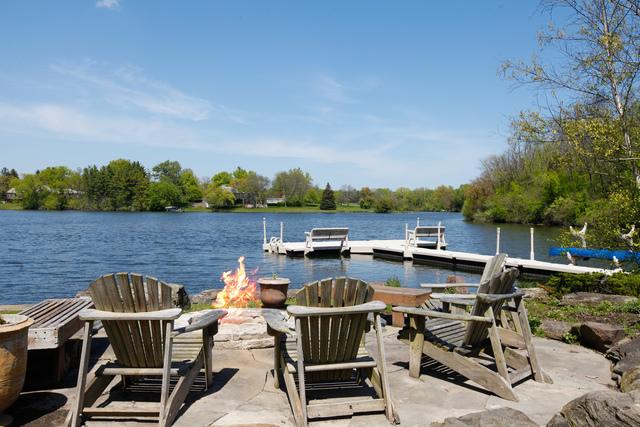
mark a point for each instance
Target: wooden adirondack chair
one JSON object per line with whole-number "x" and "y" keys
{"x": 472, "y": 343}
{"x": 138, "y": 316}
{"x": 327, "y": 351}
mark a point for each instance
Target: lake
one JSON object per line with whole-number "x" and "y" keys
{"x": 56, "y": 254}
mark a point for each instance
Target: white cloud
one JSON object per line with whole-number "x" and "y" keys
{"x": 331, "y": 89}
{"x": 108, "y": 4}
{"x": 128, "y": 87}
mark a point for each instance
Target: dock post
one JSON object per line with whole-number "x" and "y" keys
{"x": 418, "y": 222}
{"x": 497, "y": 240}
{"x": 438, "y": 238}
{"x": 532, "y": 254}
{"x": 281, "y": 232}
{"x": 406, "y": 231}
{"x": 264, "y": 230}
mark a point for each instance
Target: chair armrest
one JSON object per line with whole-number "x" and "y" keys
{"x": 93, "y": 314}
{"x": 372, "y": 306}
{"x": 276, "y": 321}
{"x": 491, "y": 298}
{"x": 201, "y": 322}
{"x": 441, "y": 296}
{"x": 459, "y": 301}
{"x": 449, "y": 285}
{"x": 441, "y": 315}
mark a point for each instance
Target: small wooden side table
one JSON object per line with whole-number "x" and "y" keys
{"x": 408, "y": 297}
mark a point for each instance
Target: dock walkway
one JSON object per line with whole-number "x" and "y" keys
{"x": 399, "y": 250}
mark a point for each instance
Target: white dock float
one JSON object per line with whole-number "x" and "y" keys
{"x": 402, "y": 250}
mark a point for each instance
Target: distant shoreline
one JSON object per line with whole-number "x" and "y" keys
{"x": 279, "y": 209}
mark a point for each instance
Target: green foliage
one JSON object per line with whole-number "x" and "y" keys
{"x": 221, "y": 178}
{"x": 384, "y": 201}
{"x": 190, "y": 186}
{"x": 616, "y": 284}
{"x": 162, "y": 194}
{"x": 328, "y": 202}
{"x": 218, "y": 197}
{"x": 393, "y": 282}
{"x": 292, "y": 185}
{"x": 167, "y": 171}
{"x": 570, "y": 337}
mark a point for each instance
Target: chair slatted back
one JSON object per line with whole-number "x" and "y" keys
{"x": 333, "y": 338}
{"x": 493, "y": 266}
{"x": 136, "y": 344}
{"x": 499, "y": 283}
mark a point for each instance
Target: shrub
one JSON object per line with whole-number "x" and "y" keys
{"x": 616, "y": 284}
{"x": 394, "y": 282}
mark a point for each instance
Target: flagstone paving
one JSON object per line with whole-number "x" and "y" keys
{"x": 243, "y": 391}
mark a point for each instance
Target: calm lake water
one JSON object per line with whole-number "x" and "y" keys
{"x": 56, "y": 254}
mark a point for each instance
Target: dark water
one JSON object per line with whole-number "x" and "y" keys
{"x": 56, "y": 254}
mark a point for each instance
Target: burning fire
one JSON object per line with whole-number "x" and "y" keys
{"x": 239, "y": 291}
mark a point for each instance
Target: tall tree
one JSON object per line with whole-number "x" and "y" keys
{"x": 167, "y": 171}
{"x": 328, "y": 202}
{"x": 600, "y": 62}
{"x": 292, "y": 185}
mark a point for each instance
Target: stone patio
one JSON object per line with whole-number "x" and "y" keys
{"x": 243, "y": 391}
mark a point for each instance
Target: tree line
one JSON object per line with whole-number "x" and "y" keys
{"x": 576, "y": 159}
{"x": 125, "y": 185}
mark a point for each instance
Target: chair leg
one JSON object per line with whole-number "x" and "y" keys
{"x": 82, "y": 374}
{"x": 166, "y": 374}
{"x": 301, "y": 385}
{"x": 276, "y": 360}
{"x": 416, "y": 337}
{"x": 388, "y": 402}
{"x": 207, "y": 349}
{"x": 538, "y": 373}
{"x": 496, "y": 346}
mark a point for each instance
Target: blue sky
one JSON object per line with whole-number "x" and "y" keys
{"x": 385, "y": 94}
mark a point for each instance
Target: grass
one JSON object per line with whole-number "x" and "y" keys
{"x": 8, "y": 206}
{"x": 625, "y": 314}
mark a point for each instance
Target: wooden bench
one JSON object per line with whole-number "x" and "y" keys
{"x": 326, "y": 240}
{"x": 407, "y": 297}
{"x": 55, "y": 321}
{"x": 416, "y": 237}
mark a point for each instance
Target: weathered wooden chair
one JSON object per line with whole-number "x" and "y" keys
{"x": 477, "y": 345}
{"x": 138, "y": 316}
{"x": 327, "y": 351}
{"x": 494, "y": 265}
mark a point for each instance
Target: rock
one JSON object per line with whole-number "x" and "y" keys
{"x": 205, "y": 297}
{"x": 500, "y": 417}
{"x": 630, "y": 380}
{"x": 625, "y": 355}
{"x": 600, "y": 336}
{"x": 591, "y": 298}
{"x": 555, "y": 329}
{"x": 452, "y": 278}
{"x": 534, "y": 293}
{"x": 600, "y": 408}
{"x": 179, "y": 296}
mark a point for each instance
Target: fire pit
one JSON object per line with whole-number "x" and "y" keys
{"x": 244, "y": 327}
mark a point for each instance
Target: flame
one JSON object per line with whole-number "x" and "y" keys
{"x": 239, "y": 291}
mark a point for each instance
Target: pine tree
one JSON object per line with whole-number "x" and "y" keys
{"x": 328, "y": 202}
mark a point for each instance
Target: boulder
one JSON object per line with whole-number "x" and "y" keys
{"x": 600, "y": 336}
{"x": 630, "y": 380}
{"x": 555, "y": 329}
{"x": 600, "y": 408}
{"x": 205, "y": 297}
{"x": 625, "y": 355}
{"x": 591, "y": 298}
{"x": 534, "y": 293}
{"x": 500, "y": 417}
{"x": 179, "y": 296}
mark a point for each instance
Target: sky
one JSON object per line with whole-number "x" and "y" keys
{"x": 375, "y": 93}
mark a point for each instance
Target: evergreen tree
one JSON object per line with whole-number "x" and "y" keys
{"x": 328, "y": 202}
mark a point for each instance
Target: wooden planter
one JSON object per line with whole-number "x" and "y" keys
{"x": 13, "y": 357}
{"x": 273, "y": 292}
